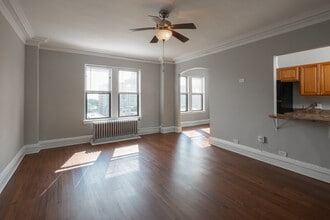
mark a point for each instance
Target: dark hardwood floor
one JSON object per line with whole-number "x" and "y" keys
{"x": 172, "y": 176}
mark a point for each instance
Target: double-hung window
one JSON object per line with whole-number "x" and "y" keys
{"x": 183, "y": 94}
{"x": 128, "y": 93}
{"x": 192, "y": 93}
{"x": 197, "y": 93}
{"x": 97, "y": 92}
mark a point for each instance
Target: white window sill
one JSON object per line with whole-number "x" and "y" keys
{"x": 90, "y": 121}
{"x": 193, "y": 112}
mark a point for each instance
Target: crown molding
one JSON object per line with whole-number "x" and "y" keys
{"x": 21, "y": 18}
{"x": 7, "y": 13}
{"x": 36, "y": 41}
{"x": 97, "y": 53}
{"x": 16, "y": 18}
{"x": 314, "y": 17}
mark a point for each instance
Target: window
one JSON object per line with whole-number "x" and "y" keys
{"x": 102, "y": 87}
{"x": 128, "y": 93}
{"x": 97, "y": 92}
{"x": 197, "y": 93}
{"x": 183, "y": 94}
{"x": 192, "y": 93}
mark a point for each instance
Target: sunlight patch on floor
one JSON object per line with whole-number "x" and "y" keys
{"x": 78, "y": 160}
{"x": 192, "y": 133}
{"x": 199, "y": 136}
{"x": 120, "y": 168}
{"x": 122, "y": 152}
{"x": 124, "y": 161}
{"x": 206, "y": 130}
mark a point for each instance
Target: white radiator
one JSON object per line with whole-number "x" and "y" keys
{"x": 111, "y": 130}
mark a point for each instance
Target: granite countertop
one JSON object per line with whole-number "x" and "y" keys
{"x": 305, "y": 114}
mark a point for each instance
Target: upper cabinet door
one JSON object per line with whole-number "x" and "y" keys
{"x": 325, "y": 78}
{"x": 289, "y": 74}
{"x": 309, "y": 80}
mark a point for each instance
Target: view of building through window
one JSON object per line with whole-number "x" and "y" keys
{"x": 128, "y": 93}
{"x": 98, "y": 92}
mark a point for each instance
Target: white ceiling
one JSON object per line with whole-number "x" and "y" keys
{"x": 103, "y": 25}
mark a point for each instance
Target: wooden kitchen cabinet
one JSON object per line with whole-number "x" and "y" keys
{"x": 325, "y": 78}
{"x": 288, "y": 74}
{"x": 310, "y": 80}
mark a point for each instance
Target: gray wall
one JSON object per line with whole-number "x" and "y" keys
{"x": 11, "y": 93}
{"x": 242, "y": 110}
{"x": 168, "y": 113}
{"x": 196, "y": 116}
{"x": 31, "y": 95}
{"x": 62, "y": 92}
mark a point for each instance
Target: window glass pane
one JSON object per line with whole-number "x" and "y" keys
{"x": 183, "y": 84}
{"x": 183, "y": 102}
{"x": 128, "y": 81}
{"x": 98, "y": 106}
{"x": 196, "y": 102}
{"x": 128, "y": 104}
{"x": 98, "y": 78}
{"x": 197, "y": 85}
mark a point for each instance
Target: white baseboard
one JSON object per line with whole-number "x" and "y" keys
{"x": 178, "y": 129}
{"x": 165, "y": 130}
{"x": 62, "y": 142}
{"x": 150, "y": 130}
{"x": 10, "y": 169}
{"x": 307, "y": 169}
{"x": 195, "y": 123}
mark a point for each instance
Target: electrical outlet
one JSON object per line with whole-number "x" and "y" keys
{"x": 261, "y": 139}
{"x": 235, "y": 140}
{"x": 282, "y": 153}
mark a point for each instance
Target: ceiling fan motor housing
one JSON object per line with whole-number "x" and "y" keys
{"x": 163, "y": 14}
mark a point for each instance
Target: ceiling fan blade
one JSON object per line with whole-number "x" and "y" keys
{"x": 156, "y": 19}
{"x": 143, "y": 29}
{"x": 179, "y": 36}
{"x": 154, "y": 40}
{"x": 183, "y": 26}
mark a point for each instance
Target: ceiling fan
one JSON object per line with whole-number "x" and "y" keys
{"x": 165, "y": 29}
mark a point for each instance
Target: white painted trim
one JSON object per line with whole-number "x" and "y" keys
{"x": 307, "y": 169}
{"x": 178, "y": 129}
{"x": 21, "y": 18}
{"x": 150, "y": 130}
{"x": 62, "y": 142}
{"x": 10, "y": 169}
{"x": 194, "y": 123}
{"x": 31, "y": 149}
{"x": 165, "y": 130}
{"x": 36, "y": 41}
{"x": 314, "y": 17}
{"x": 7, "y": 13}
{"x": 119, "y": 139}
{"x": 100, "y": 53}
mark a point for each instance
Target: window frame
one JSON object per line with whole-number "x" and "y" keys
{"x": 114, "y": 95}
{"x": 189, "y": 95}
{"x": 185, "y": 94}
{"x": 86, "y": 92}
{"x": 202, "y": 93}
{"x": 138, "y": 82}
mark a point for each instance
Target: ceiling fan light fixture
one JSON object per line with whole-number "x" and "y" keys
{"x": 163, "y": 34}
